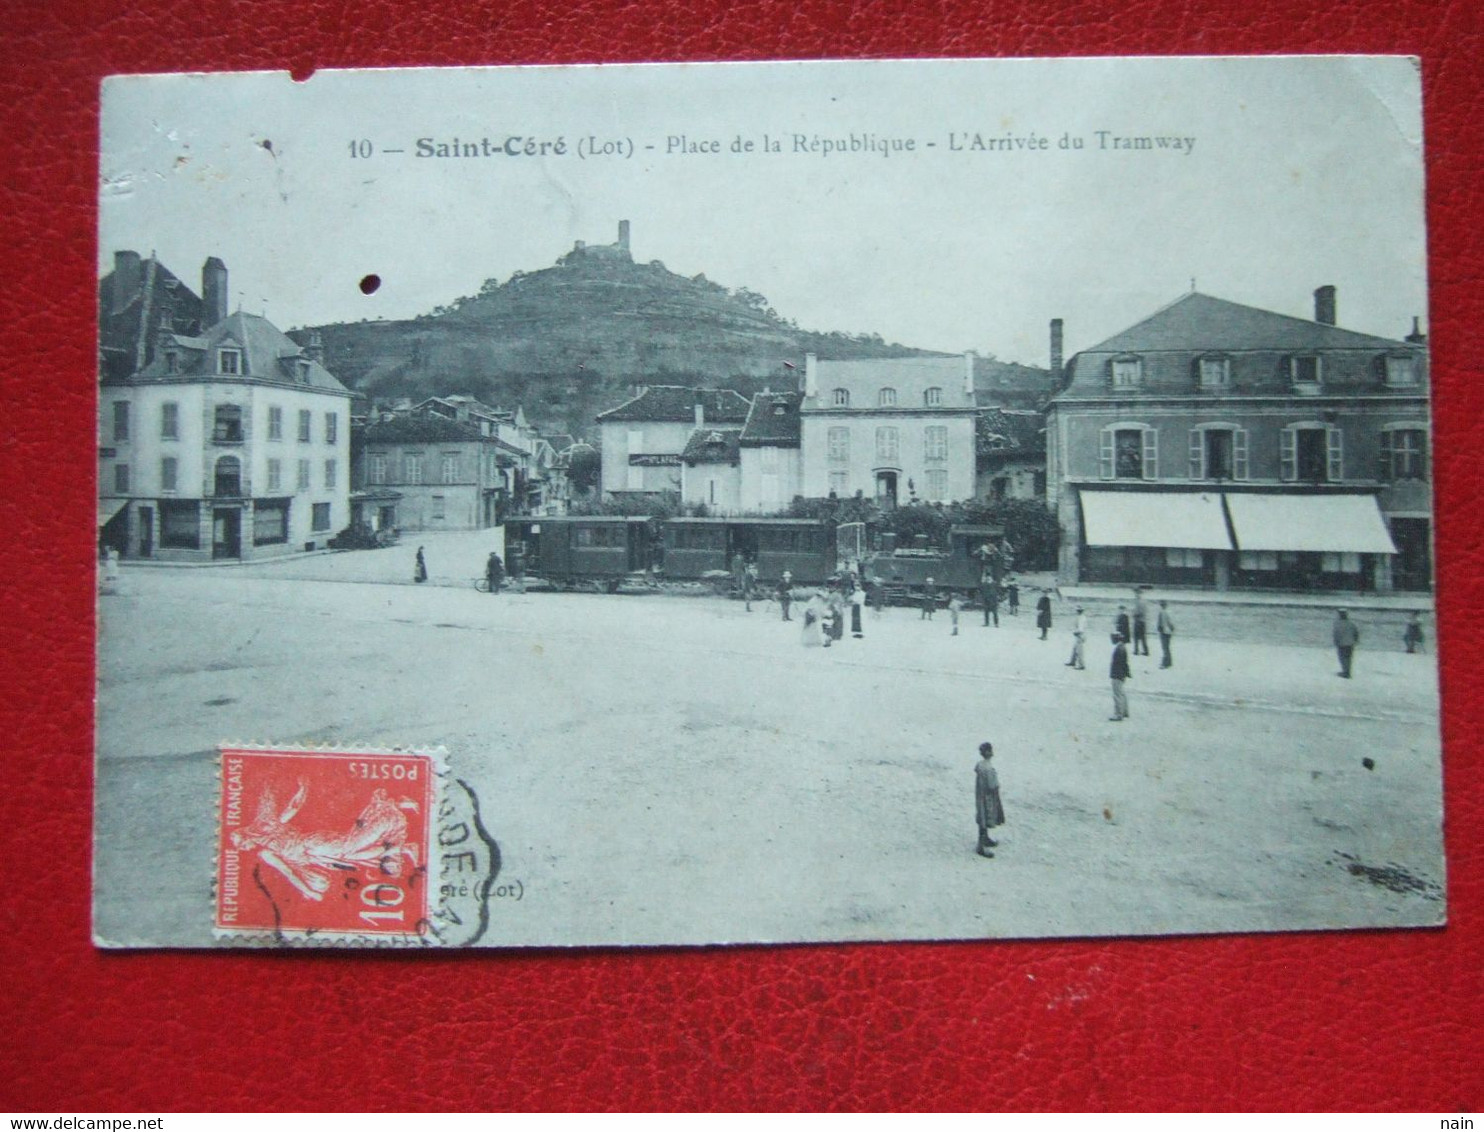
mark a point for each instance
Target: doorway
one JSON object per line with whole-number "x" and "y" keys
{"x": 886, "y": 488}
{"x": 226, "y": 533}
{"x": 146, "y": 532}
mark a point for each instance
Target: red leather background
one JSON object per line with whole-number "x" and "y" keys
{"x": 1380, "y": 1020}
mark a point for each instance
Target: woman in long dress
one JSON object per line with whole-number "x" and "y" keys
{"x": 420, "y": 567}
{"x": 812, "y": 632}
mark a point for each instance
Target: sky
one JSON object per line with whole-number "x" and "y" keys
{"x": 1301, "y": 172}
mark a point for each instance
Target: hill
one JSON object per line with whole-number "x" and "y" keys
{"x": 572, "y": 339}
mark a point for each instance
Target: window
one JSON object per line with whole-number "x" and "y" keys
{"x": 1401, "y": 371}
{"x": 838, "y": 484}
{"x": 180, "y": 524}
{"x": 1311, "y": 453}
{"x": 449, "y": 468}
{"x": 635, "y": 441}
{"x": 887, "y": 398}
{"x": 301, "y": 371}
{"x": 1403, "y": 454}
{"x": 270, "y": 523}
{"x": 839, "y": 444}
{"x": 227, "y": 426}
{"x": 412, "y": 469}
{"x": 1218, "y": 452}
{"x": 228, "y": 477}
{"x": 169, "y": 473}
{"x": 1344, "y": 562}
{"x": 1305, "y": 369}
{"x": 937, "y": 484}
{"x": 120, "y": 421}
{"x": 1127, "y": 373}
{"x": 634, "y": 480}
{"x": 332, "y": 427}
{"x": 1129, "y": 452}
{"x": 1214, "y": 373}
{"x": 1258, "y": 560}
{"x": 121, "y": 478}
{"x": 840, "y": 398}
{"x": 935, "y": 442}
{"x": 302, "y": 482}
{"x": 172, "y": 361}
{"x": 275, "y": 475}
{"x": 329, "y": 475}
{"x": 886, "y": 444}
{"x": 932, "y": 397}
{"x": 1182, "y": 558}
{"x": 229, "y": 361}
{"x": 275, "y": 422}
{"x": 378, "y": 468}
{"x": 306, "y": 425}
{"x": 319, "y": 519}
{"x": 438, "y": 507}
{"x": 169, "y": 421}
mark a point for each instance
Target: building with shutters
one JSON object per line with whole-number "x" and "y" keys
{"x": 1219, "y": 445}
{"x": 643, "y": 438}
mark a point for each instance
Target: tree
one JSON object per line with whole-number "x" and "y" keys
{"x": 1029, "y": 525}
{"x": 586, "y": 468}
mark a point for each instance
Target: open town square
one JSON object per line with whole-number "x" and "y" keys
{"x": 666, "y": 766}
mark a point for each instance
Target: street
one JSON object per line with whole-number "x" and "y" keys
{"x": 663, "y": 769}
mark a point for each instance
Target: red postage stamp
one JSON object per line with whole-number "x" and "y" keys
{"x": 331, "y": 844}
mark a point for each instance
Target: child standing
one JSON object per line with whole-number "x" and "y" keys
{"x": 955, "y": 607}
{"x": 1412, "y": 636}
{"x": 987, "y": 808}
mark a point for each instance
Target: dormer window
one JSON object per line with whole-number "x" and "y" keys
{"x": 301, "y": 371}
{"x": 840, "y": 398}
{"x": 229, "y": 361}
{"x": 887, "y": 398}
{"x": 1305, "y": 370}
{"x": 1401, "y": 371}
{"x": 1128, "y": 372}
{"x": 932, "y": 397}
{"x": 172, "y": 361}
{"x": 779, "y": 409}
{"x": 1214, "y": 373}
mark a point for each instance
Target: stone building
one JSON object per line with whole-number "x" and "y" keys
{"x": 141, "y": 299}
{"x": 448, "y": 474}
{"x": 711, "y": 470}
{"x": 770, "y": 453}
{"x": 232, "y": 443}
{"x": 1219, "y": 445}
{"x": 643, "y": 438}
{"x": 890, "y": 428}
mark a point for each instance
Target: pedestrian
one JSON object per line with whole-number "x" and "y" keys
{"x": 1043, "y": 613}
{"x": 834, "y": 618}
{"x": 929, "y": 601}
{"x": 878, "y": 594}
{"x": 812, "y": 632}
{"x": 1141, "y": 623}
{"x": 989, "y": 592}
{"x": 1012, "y": 596}
{"x": 955, "y": 607}
{"x": 1079, "y": 641}
{"x": 420, "y": 567}
{"x": 1165, "y": 626}
{"x": 988, "y": 811}
{"x": 494, "y": 572}
{"x": 1412, "y": 635}
{"x": 1346, "y": 636}
{"x": 857, "y": 599}
{"x": 786, "y": 593}
{"x": 1121, "y": 624}
{"x": 749, "y": 584}
{"x": 1118, "y": 672}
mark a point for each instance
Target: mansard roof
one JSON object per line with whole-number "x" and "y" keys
{"x": 712, "y": 446}
{"x": 268, "y": 354}
{"x": 773, "y": 421}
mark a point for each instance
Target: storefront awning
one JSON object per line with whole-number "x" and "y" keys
{"x": 108, "y": 510}
{"x": 1316, "y": 523}
{"x": 1189, "y": 520}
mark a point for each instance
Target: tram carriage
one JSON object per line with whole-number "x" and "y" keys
{"x": 575, "y": 549}
{"x": 694, "y": 548}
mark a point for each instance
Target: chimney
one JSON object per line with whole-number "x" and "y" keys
{"x": 969, "y": 374}
{"x": 1417, "y": 338}
{"x": 314, "y": 349}
{"x": 811, "y": 375}
{"x": 128, "y": 278}
{"x": 623, "y": 236}
{"x": 1056, "y": 352}
{"x": 213, "y": 292}
{"x": 1324, "y": 305}
{"x": 700, "y": 409}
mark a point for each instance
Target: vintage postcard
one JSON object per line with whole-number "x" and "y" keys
{"x": 742, "y": 503}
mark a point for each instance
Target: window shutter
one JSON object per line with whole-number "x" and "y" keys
{"x": 1105, "y": 454}
{"x": 1239, "y": 454}
{"x": 1336, "y": 442}
{"x": 1384, "y": 471}
{"x": 1151, "y": 454}
{"x": 1288, "y": 454}
{"x": 1197, "y": 454}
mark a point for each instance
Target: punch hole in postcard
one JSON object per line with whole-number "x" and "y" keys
{"x": 749, "y": 503}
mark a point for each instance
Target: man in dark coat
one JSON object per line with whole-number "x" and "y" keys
{"x": 988, "y": 811}
{"x": 1118, "y": 672}
{"x": 1121, "y": 624}
{"x": 1346, "y": 636}
{"x": 1165, "y": 624}
{"x": 1141, "y": 624}
{"x": 1043, "y": 613}
{"x": 989, "y": 593}
{"x": 494, "y": 572}
{"x": 420, "y": 567}
{"x": 786, "y": 593}
{"x": 929, "y": 601}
